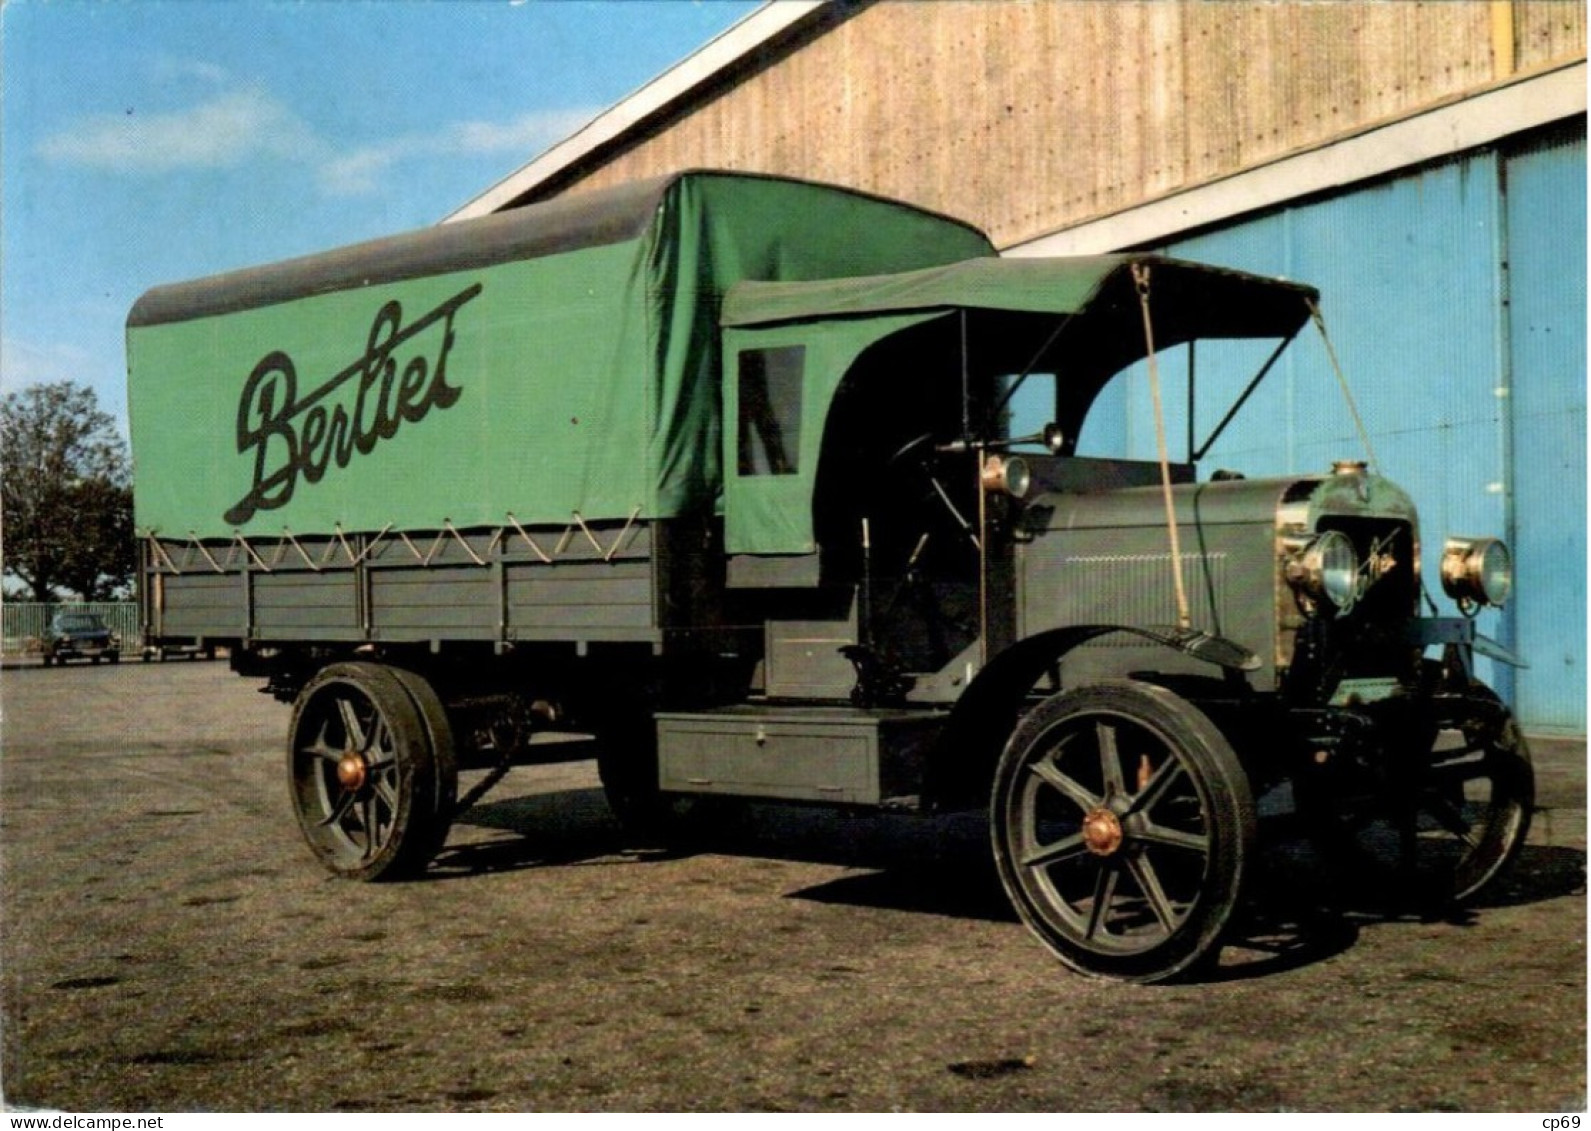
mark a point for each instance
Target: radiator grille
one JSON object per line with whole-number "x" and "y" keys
{"x": 1138, "y": 589}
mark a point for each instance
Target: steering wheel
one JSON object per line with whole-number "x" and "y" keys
{"x": 913, "y": 451}
{"x": 909, "y": 448}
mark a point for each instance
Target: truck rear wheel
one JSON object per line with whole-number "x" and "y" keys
{"x": 370, "y": 772}
{"x": 444, "y": 755}
{"x": 1122, "y": 825}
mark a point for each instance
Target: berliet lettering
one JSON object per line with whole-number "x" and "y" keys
{"x": 292, "y": 436}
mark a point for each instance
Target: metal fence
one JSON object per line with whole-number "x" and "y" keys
{"x": 25, "y": 623}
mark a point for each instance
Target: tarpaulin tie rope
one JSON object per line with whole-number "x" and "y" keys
{"x": 160, "y": 551}
{"x": 447, "y": 524}
{"x": 340, "y": 541}
{"x": 369, "y": 546}
{"x": 404, "y": 535}
{"x": 249, "y": 550}
{"x": 586, "y": 530}
{"x": 303, "y": 553}
{"x": 1140, "y": 277}
{"x": 529, "y": 541}
{"x": 617, "y": 542}
{"x": 193, "y": 539}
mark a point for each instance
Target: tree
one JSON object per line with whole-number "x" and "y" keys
{"x": 65, "y": 494}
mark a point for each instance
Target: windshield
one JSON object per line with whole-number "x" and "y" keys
{"x": 1205, "y": 385}
{"x": 79, "y": 622}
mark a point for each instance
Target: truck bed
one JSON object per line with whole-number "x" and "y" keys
{"x": 584, "y": 583}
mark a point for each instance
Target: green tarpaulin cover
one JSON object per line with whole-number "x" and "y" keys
{"x": 557, "y": 359}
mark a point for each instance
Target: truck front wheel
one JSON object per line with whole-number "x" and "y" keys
{"x": 1122, "y": 825}
{"x": 364, "y": 774}
{"x": 627, "y": 765}
{"x": 1438, "y": 823}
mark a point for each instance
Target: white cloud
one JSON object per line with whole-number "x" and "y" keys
{"x": 361, "y": 170}
{"x": 528, "y": 134}
{"x": 23, "y": 364}
{"x": 241, "y": 126}
{"x": 167, "y": 68}
{"x": 227, "y": 130}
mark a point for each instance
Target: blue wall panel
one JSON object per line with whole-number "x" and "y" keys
{"x": 1546, "y": 223}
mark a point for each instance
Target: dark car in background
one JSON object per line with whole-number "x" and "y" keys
{"x": 80, "y": 636}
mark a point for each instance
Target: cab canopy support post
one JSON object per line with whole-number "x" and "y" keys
{"x": 1242, "y": 400}
{"x": 966, "y": 384}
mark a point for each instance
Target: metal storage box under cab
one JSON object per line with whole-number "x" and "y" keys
{"x": 833, "y": 754}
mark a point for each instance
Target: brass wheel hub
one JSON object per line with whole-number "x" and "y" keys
{"x": 1102, "y": 833}
{"x": 351, "y": 772}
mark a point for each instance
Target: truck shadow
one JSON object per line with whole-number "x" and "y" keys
{"x": 1298, "y": 910}
{"x": 551, "y": 829}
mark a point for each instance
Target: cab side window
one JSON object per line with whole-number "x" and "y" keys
{"x": 770, "y": 410}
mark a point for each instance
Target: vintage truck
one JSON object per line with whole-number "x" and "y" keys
{"x": 719, "y": 470}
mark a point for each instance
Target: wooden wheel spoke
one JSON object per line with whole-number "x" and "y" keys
{"x": 345, "y": 802}
{"x": 1063, "y": 849}
{"x": 1156, "y": 788}
{"x": 1454, "y": 776}
{"x": 1104, "y": 892}
{"x": 382, "y": 751}
{"x": 1148, "y": 881}
{"x": 368, "y": 815}
{"x": 1451, "y": 820}
{"x": 1470, "y": 748}
{"x": 321, "y": 748}
{"x": 1109, "y": 758}
{"x": 1171, "y": 838}
{"x": 383, "y": 788}
{"x": 1069, "y": 788}
{"x": 353, "y": 730}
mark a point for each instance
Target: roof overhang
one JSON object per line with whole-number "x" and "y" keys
{"x": 1190, "y": 299}
{"x": 1465, "y": 122}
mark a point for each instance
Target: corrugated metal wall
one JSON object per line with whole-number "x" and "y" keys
{"x": 1456, "y": 298}
{"x": 1028, "y": 117}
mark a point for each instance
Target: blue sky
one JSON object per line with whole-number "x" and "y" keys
{"x": 147, "y": 141}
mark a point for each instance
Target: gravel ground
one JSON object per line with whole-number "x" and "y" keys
{"x": 170, "y": 945}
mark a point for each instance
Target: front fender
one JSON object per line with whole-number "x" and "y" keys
{"x": 962, "y": 764}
